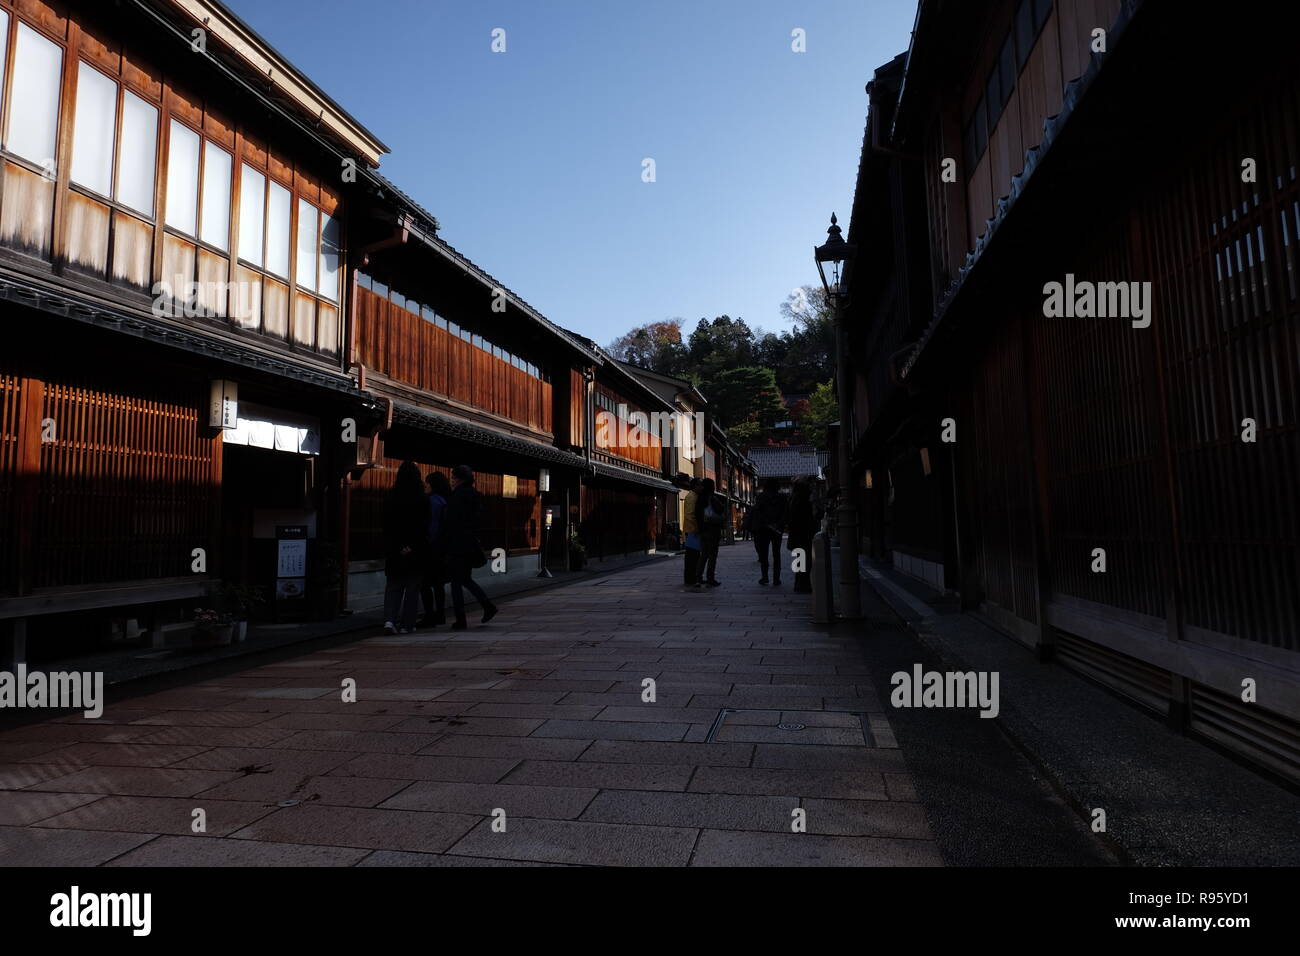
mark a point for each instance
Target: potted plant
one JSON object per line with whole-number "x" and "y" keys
{"x": 577, "y": 550}
{"x": 211, "y": 627}
{"x": 240, "y": 601}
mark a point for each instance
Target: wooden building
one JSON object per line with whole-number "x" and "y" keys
{"x": 1113, "y": 490}
{"x": 226, "y": 330}
{"x": 172, "y": 215}
{"x": 627, "y": 498}
{"x": 467, "y": 373}
{"x": 699, "y": 448}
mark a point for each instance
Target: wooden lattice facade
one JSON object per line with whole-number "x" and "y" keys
{"x": 1167, "y": 443}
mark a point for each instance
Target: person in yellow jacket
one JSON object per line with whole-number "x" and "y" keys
{"x": 691, "y": 528}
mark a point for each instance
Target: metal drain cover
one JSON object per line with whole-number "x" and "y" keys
{"x": 814, "y": 727}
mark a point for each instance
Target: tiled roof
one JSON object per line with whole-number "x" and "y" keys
{"x": 785, "y": 461}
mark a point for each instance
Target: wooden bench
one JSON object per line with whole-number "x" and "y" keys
{"x": 151, "y": 595}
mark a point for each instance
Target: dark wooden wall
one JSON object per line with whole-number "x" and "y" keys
{"x": 1060, "y": 54}
{"x": 410, "y": 349}
{"x": 616, "y": 522}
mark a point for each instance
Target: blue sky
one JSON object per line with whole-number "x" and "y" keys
{"x": 532, "y": 159}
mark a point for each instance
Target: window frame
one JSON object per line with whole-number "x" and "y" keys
{"x": 113, "y": 199}
{"x": 10, "y": 53}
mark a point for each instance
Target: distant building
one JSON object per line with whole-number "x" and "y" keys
{"x": 697, "y": 448}
{"x": 785, "y": 463}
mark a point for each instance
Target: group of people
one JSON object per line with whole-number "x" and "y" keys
{"x": 773, "y": 516}
{"x": 431, "y": 528}
{"x": 769, "y": 519}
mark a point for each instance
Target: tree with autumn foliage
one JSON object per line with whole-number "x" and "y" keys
{"x": 656, "y": 346}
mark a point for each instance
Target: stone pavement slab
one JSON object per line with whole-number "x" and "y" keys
{"x": 554, "y": 803}
{"x": 319, "y": 825}
{"x": 554, "y": 841}
{"x": 731, "y": 848}
{"x": 33, "y": 846}
{"x": 159, "y": 815}
{"x": 208, "y": 851}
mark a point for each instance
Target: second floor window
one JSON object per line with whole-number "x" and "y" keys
{"x": 318, "y": 251}
{"x": 198, "y": 213}
{"x": 34, "y": 111}
{"x": 183, "y": 180}
{"x": 252, "y": 215}
{"x": 214, "y": 217}
{"x": 98, "y": 148}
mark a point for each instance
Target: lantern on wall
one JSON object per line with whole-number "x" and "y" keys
{"x": 223, "y": 404}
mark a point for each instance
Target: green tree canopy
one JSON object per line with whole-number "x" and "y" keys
{"x": 744, "y": 371}
{"x": 822, "y": 410}
{"x": 748, "y": 394}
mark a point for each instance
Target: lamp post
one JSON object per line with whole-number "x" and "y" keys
{"x": 830, "y": 258}
{"x": 548, "y": 515}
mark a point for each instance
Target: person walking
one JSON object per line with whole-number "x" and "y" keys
{"x": 461, "y": 520}
{"x": 711, "y": 514}
{"x": 434, "y": 592}
{"x": 803, "y": 525}
{"x": 691, "y": 528}
{"x": 406, "y": 537}
{"x": 769, "y": 525}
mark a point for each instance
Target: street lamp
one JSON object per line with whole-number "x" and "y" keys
{"x": 831, "y": 258}
{"x": 548, "y": 516}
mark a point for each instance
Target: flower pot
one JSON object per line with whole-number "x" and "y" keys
{"x": 214, "y": 636}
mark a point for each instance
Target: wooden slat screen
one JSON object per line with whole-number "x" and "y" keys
{"x": 1104, "y": 447}
{"x": 126, "y": 488}
{"x": 10, "y": 404}
{"x": 577, "y": 409}
{"x": 1225, "y": 256}
{"x": 1003, "y": 478}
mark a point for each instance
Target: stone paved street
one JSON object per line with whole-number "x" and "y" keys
{"x": 539, "y": 715}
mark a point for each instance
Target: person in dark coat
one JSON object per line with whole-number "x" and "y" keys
{"x": 461, "y": 551}
{"x": 711, "y": 518}
{"x": 434, "y": 593}
{"x": 769, "y": 524}
{"x": 803, "y": 525}
{"x": 406, "y": 546}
